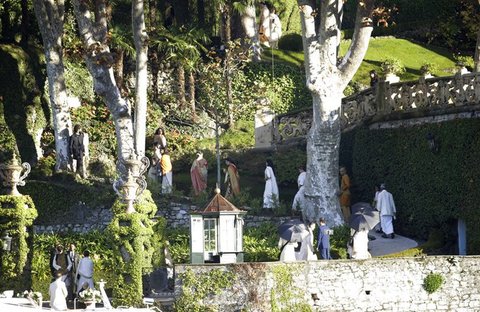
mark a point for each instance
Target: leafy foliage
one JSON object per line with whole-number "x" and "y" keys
{"x": 197, "y": 287}
{"x": 285, "y": 296}
{"x": 432, "y": 282}
{"x": 17, "y": 214}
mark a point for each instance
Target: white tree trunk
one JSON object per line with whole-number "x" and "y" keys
{"x": 326, "y": 82}
{"x": 141, "y": 83}
{"x": 251, "y": 30}
{"x": 50, "y": 21}
{"x": 99, "y": 62}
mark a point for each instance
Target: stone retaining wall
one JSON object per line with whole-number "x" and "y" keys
{"x": 177, "y": 216}
{"x": 394, "y": 284}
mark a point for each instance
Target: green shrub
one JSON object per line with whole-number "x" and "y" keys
{"x": 432, "y": 282}
{"x": 291, "y": 42}
{"x": 392, "y": 66}
{"x": 259, "y": 244}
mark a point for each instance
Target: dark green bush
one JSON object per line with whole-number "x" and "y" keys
{"x": 431, "y": 190}
{"x": 291, "y": 42}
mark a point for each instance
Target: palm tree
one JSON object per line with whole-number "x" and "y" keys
{"x": 183, "y": 47}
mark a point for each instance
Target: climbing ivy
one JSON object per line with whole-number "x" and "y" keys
{"x": 136, "y": 242}
{"x": 197, "y": 287}
{"x": 17, "y": 214}
{"x": 284, "y": 295}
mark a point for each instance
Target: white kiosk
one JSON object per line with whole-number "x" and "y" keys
{"x": 216, "y": 232}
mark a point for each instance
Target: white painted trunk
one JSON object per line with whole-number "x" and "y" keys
{"x": 251, "y": 30}
{"x": 323, "y": 143}
{"x": 99, "y": 62}
{"x": 50, "y": 21}
{"x": 62, "y": 123}
{"x": 105, "y": 86}
{"x": 141, "y": 83}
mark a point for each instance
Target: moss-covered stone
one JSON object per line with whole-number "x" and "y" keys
{"x": 23, "y": 106}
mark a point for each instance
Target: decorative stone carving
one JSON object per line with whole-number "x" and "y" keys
{"x": 131, "y": 182}
{"x": 428, "y": 95}
{"x": 11, "y": 174}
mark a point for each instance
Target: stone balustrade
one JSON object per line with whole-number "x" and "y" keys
{"x": 427, "y": 96}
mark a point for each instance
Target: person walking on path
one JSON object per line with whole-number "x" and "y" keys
{"x": 299, "y": 199}
{"x": 198, "y": 173}
{"x": 358, "y": 245}
{"x": 270, "y": 195}
{"x": 386, "y": 206}
{"x": 323, "y": 244}
{"x": 58, "y": 293}
{"x": 344, "y": 194}
{"x": 232, "y": 179}
{"x": 306, "y": 252}
{"x": 85, "y": 271}
{"x": 167, "y": 175}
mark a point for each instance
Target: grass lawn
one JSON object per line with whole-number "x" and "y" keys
{"x": 412, "y": 55}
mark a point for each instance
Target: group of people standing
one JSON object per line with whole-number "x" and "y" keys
{"x": 300, "y": 247}
{"x": 72, "y": 274}
{"x": 161, "y": 161}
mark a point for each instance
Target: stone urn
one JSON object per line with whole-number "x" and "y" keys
{"x": 11, "y": 175}
{"x": 128, "y": 190}
{"x": 137, "y": 167}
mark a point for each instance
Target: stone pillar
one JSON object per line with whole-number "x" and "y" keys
{"x": 264, "y": 126}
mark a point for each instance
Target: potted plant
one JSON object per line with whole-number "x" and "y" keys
{"x": 90, "y": 296}
{"x": 427, "y": 69}
{"x": 391, "y": 68}
{"x": 462, "y": 63}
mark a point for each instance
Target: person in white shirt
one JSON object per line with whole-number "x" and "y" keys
{"x": 85, "y": 271}
{"x": 58, "y": 293}
{"x": 386, "y": 206}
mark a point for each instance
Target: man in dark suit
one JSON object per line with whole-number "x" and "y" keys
{"x": 74, "y": 258}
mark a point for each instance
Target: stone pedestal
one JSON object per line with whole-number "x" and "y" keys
{"x": 264, "y": 127}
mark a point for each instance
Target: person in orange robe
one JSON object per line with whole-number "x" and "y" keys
{"x": 232, "y": 179}
{"x": 344, "y": 196}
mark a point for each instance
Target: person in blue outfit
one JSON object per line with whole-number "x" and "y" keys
{"x": 324, "y": 240}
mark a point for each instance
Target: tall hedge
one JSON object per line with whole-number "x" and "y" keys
{"x": 431, "y": 189}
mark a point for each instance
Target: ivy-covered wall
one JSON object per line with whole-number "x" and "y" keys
{"x": 16, "y": 218}
{"x": 431, "y": 189}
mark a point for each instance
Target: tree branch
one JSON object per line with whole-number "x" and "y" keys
{"x": 358, "y": 48}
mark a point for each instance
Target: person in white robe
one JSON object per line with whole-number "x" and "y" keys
{"x": 299, "y": 199}
{"x": 359, "y": 250}
{"x": 287, "y": 250}
{"x": 85, "y": 271}
{"x": 58, "y": 293}
{"x": 270, "y": 195}
{"x": 275, "y": 28}
{"x": 388, "y": 211}
{"x": 306, "y": 252}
